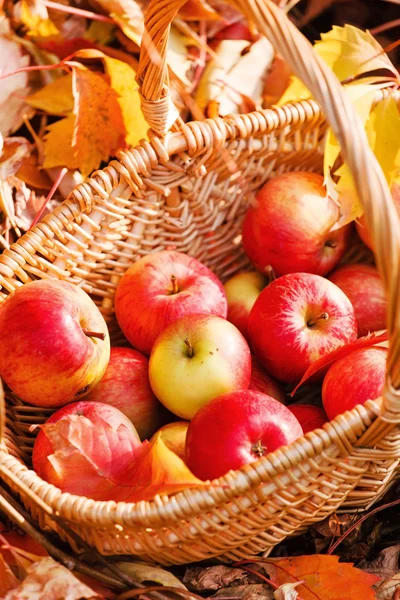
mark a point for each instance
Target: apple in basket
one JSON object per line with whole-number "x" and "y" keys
{"x": 85, "y": 448}
{"x": 160, "y": 288}
{"x": 297, "y": 319}
{"x": 309, "y": 416}
{"x": 196, "y": 359}
{"x": 289, "y": 228}
{"x": 54, "y": 342}
{"x": 353, "y": 379}
{"x": 235, "y": 429}
{"x": 361, "y": 224}
{"x": 174, "y": 437}
{"x": 261, "y": 381}
{"x": 242, "y": 291}
{"x": 364, "y": 288}
{"x": 126, "y": 386}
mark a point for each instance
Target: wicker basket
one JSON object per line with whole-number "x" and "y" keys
{"x": 188, "y": 189}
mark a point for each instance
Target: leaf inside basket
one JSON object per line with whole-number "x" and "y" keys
{"x": 324, "y": 362}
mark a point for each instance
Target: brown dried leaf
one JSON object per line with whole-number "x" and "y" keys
{"x": 142, "y": 572}
{"x": 48, "y": 580}
{"x": 254, "y": 591}
{"x": 387, "y": 589}
{"x": 385, "y": 565}
{"x": 199, "y": 579}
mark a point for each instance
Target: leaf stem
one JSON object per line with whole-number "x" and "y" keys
{"x": 79, "y": 12}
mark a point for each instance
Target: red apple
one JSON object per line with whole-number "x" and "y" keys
{"x": 262, "y": 382}
{"x": 361, "y": 224}
{"x": 290, "y": 226}
{"x": 85, "y": 448}
{"x": 353, "y": 379}
{"x": 196, "y": 359}
{"x": 296, "y": 320}
{"x": 235, "y": 429}
{"x": 364, "y": 288}
{"x": 174, "y": 437}
{"x": 242, "y": 291}
{"x": 54, "y": 343}
{"x": 309, "y": 416}
{"x": 126, "y": 386}
{"x": 160, "y": 288}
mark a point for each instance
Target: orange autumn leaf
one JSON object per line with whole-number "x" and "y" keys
{"x": 325, "y": 578}
{"x": 195, "y": 10}
{"x": 99, "y": 129}
{"x": 58, "y": 150}
{"x": 158, "y": 470}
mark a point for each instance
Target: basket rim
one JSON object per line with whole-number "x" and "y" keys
{"x": 193, "y": 501}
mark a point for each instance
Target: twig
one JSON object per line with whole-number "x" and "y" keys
{"x": 41, "y": 210}
{"x": 385, "y": 27}
{"x": 79, "y": 12}
{"x": 7, "y": 505}
{"x": 359, "y": 521}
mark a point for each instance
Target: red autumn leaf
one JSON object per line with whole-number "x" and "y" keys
{"x": 12, "y": 542}
{"x": 8, "y": 581}
{"x": 325, "y": 578}
{"x": 64, "y": 48}
{"x": 328, "y": 359}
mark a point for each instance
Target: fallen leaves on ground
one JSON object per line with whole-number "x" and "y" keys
{"x": 48, "y": 579}
{"x": 325, "y": 578}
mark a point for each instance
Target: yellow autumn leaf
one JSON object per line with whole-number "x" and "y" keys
{"x": 383, "y": 131}
{"x": 349, "y": 52}
{"x": 343, "y": 192}
{"x": 35, "y": 17}
{"x": 55, "y": 98}
{"x": 58, "y": 150}
{"x": 122, "y": 78}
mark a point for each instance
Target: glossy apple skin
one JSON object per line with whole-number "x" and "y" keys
{"x": 126, "y": 386}
{"x": 364, "y": 288}
{"x": 87, "y": 482}
{"x": 353, "y": 379}
{"x": 225, "y": 433}
{"x": 309, "y": 416}
{"x": 145, "y": 303}
{"x": 45, "y": 358}
{"x": 278, "y": 324}
{"x": 361, "y": 224}
{"x": 242, "y": 290}
{"x": 261, "y": 381}
{"x": 289, "y": 227}
{"x": 174, "y": 437}
{"x": 221, "y": 363}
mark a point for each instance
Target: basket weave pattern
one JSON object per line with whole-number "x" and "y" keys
{"x": 188, "y": 190}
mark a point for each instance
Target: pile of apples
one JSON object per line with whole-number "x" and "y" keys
{"x": 209, "y": 365}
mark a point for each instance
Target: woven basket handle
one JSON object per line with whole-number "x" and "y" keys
{"x": 380, "y": 213}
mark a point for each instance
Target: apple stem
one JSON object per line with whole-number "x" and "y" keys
{"x": 94, "y": 334}
{"x": 258, "y": 449}
{"x": 175, "y": 287}
{"x": 322, "y": 317}
{"x": 270, "y": 273}
{"x": 330, "y": 244}
{"x": 190, "y": 347}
